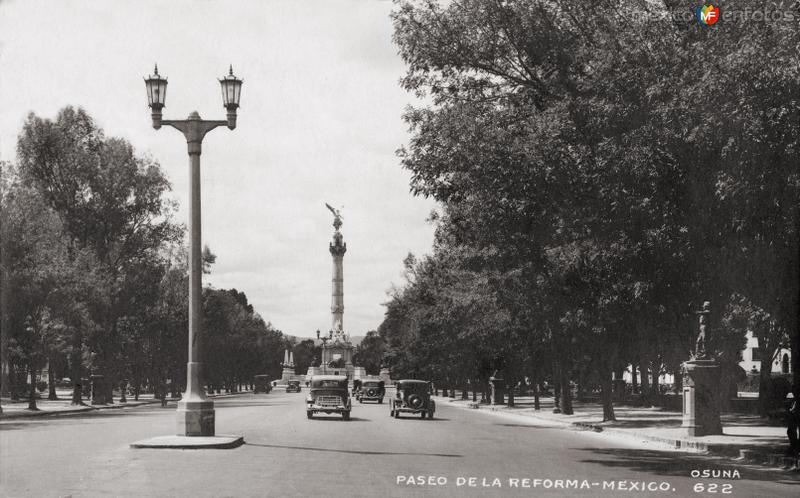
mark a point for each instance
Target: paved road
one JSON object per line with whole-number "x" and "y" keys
{"x": 371, "y": 455}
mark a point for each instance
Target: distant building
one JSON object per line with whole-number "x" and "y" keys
{"x": 752, "y": 358}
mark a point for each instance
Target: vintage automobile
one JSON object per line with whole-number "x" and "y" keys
{"x": 293, "y": 386}
{"x": 371, "y": 390}
{"x": 413, "y": 396}
{"x": 328, "y": 395}
{"x": 261, "y": 384}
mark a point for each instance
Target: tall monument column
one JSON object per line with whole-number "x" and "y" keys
{"x": 337, "y": 249}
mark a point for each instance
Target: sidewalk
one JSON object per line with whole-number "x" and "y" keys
{"x": 62, "y": 406}
{"x": 747, "y": 438}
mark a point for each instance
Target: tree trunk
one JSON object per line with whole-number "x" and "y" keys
{"x": 510, "y": 389}
{"x": 465, "y": 391}
{"x": 51, "y": 383}
{"x": 655, "y": 387}
{"x": 13, "y": 382}
{"x": 475, "y": 391}
{"x": 634, "y": 379}
{"x": 606, "y": 387}
{"x": 764, "y": 383}
{"x": 32, "y": 391}
{"x": 536, "y": 405}
{"x": 137, "y": 381}
{"x": 77, "y": 373}
{"x": 566, "y": 395}
{"x": 645, "y": 381}
{"x": 556, "y": 393}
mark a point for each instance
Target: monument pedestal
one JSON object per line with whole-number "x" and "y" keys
{"x": 286, "y": 375}
{"x": 497, "y": 387}
{"x": 701, "y": 398}
{"x": 385, "y": 376}
{"x": 359, "y": 373}
{"x": 195, "y": 418}
{"x": 99, "y": 390}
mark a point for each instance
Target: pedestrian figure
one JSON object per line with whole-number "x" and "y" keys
{"x": 793, "y": 430}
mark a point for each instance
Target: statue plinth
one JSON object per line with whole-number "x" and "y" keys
{"x": 701, "y": 398}
{"x": 287, "y": 374}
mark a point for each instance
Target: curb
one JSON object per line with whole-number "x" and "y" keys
{"x": 88, "y": 408}
{"x": 770, "y": 459}
{"x": 746, "y": 456}
{"x": 71, "y": 411}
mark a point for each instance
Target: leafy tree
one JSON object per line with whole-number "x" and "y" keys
{"x": 40, "y": 282}
{"x": 610, "y": 193}
{"x": 111, "y": 203}
{"x": 304, "y": 354}
{"x": 369, "y": 353}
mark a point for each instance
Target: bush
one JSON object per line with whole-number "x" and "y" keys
{"x": 773, "y": 396}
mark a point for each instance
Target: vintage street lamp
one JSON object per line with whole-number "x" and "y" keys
{"x": 231, "y": 91}
{"x": 195, "y": 410}
{"x": 156, "y": 95}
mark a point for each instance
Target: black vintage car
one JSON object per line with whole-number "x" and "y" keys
{"x": 293, "y": 386}
{"x": 413, "y": 396}
{"x": 328, "y": 395}
{"x": 261, "y": 384}
{"x": 371, "y": 390}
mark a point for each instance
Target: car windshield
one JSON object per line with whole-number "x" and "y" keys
{"x": 372, "y": 384}
{"x": 416, "y": 387}
{"x": 329, "y": 383}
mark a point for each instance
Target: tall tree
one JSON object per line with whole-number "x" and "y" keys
{"x": 111, "y": 202}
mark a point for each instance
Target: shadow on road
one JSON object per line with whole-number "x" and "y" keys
{"x": 219, "y": 404}
{"x": 26, "y": 424}
{"x": 420, "y": 419}
{"x": 525, "y": 426}
{"x": 354, "y": 452}
{"x": 670, "y": 463}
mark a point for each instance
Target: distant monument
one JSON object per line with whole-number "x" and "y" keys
{"x": 337, "y": 350}
{"x": 701, "y": 377}
{"x": 287, "y": 373}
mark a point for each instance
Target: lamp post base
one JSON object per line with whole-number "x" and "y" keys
{"x": 195, "y": 418}
{"x": 190, "y": 443}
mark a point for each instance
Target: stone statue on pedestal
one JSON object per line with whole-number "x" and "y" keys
{"x": 700, "y": 352}
{"x": 701, "y": 381}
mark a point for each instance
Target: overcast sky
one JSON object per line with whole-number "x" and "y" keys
{"x": 320, "y": 121}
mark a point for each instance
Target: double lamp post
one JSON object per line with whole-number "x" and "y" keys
{"x": 195, "y": 410}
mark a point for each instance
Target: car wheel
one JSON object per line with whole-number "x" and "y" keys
{"x": 430, "y": 415}
{"x": 360, "y": 401}
{"x": 309, "y": 414}
{"x": 380, "y": 401}
{"x": 414, "y": 401}
{"x": 422, "y": 413}
{"x": 346, "y": 415}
